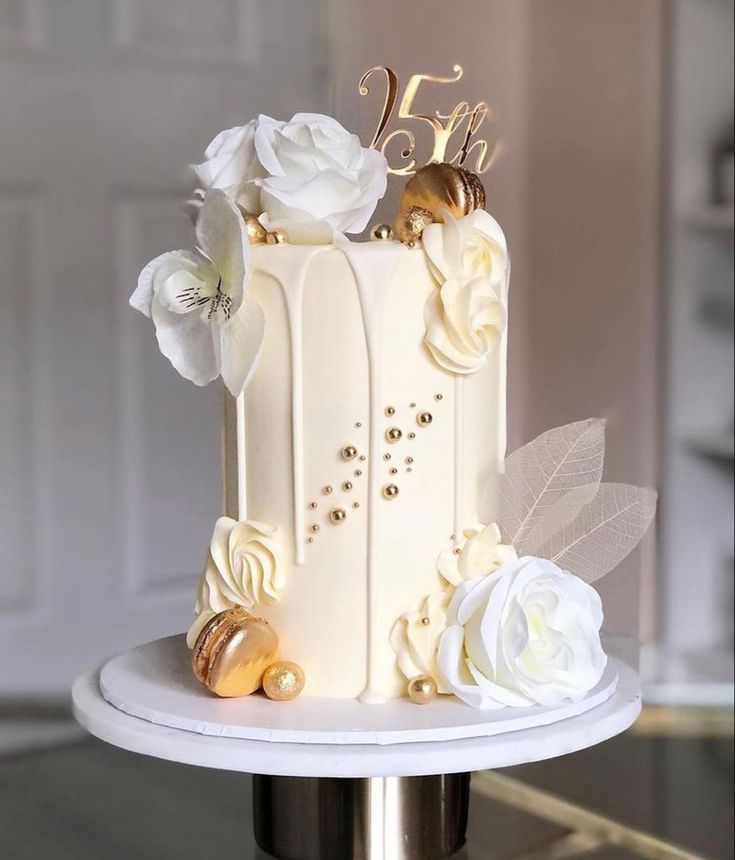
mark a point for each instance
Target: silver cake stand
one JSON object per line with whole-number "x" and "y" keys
{"x": 344, "y": 781}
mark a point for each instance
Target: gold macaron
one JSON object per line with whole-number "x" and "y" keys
{"x": 233, "y": 651}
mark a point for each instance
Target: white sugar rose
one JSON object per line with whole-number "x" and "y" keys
{"x": 318, "y": 171}
{"x": 231, "y": 164}
{"x": 463, "y": 249}
{"x": 243, "y": 568}
{"x": 415, "y": 637}
{"x": 527, "y": 634}
{"x": 482, "y": 552}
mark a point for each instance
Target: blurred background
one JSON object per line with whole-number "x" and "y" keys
{"x": 614, "y": 183}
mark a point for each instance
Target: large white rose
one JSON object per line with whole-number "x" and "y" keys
{"x": 318, "y": 171}
{"x": 463, "y": 249}
{"x": 206, "y": 324}
{"x": 231, "y": 164}
{"x": 482, "y": 552}
{"x": 243, "y": 568}
{"x": 527, "y": 634}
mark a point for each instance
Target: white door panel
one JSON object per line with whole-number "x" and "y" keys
{"x": 109, "y": 461}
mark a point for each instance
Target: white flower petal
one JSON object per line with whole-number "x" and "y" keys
{"x": 242, "y": 339}
{"x": 186, "y": 341}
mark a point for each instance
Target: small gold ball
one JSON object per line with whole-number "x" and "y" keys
{"x": 275, "y": 238}
{"x": 425, "y": 621}
{"x": 389, "y": 410}
{"x": 358, "y": 472}
{"x": 393, "y": 434}
{"x": 315, "y": 527}
{"x": 424, "y": 418}
{"x": 412, "y": 405}
{"x": 310, "y": 540}
{"x": 438, "y": 397}
{"x": 390, "y": 491}
{"x": 358, "y": 423}
{"x": 381, "y": 233}
{"x": 349, "y": 452}
{"x": 394, "y": 471}
{"x": 386, "y": 456}
{"x": 313, "y": 506}
{"x": 257, "y": 234}
{"x": 337, "y": 515}
{"x": 362, "y": 458}
{"x": 422, "y": 690}
{"x": 409, "y": 460}
{"x": 409, "y": 469}
{"x": 283, "y": 681}
{"x": 412, "y": 435}
{"x": 328, "y": 490}
{"x": 356, "y": 505}
{"x": 347, "y": 486}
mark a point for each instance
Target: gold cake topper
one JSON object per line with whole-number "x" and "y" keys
{"x": 462, "y": 119}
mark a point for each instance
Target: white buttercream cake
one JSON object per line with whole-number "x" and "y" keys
{"x": 375, "y": 542}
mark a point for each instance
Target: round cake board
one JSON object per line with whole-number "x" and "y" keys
{"x": 113, "y": 726}
{"x": 154, "y": 682}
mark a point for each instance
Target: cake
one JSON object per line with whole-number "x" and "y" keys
{"x": 370, "y": 518}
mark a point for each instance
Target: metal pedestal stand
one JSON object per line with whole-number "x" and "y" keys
{"x": 397, "y": 817}
{"x": 323, "y": 795}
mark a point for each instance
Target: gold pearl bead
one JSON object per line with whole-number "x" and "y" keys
{"x": 358, "y": 472}
{"x": 393, "y": 435}
{"x": 422, "y": 690}
{"x": 424, "y": 418}
{"x": 347, "y": 486}
{"x": 257, "y": 234}
{"x": 390, "y": 491}
{"x": 328, "y": 490}
{"x": 438, "y": 397}
{"x": 283, "y": 681}
{"x": 381, "y": 233}
{"x": 349, "y": 452}
{"x": 337, "y": 515}
{"x": 313, "y": 506}
{"x": 409, "y": 460}
{"x": 412, "y": 435}
{"x": 315, "y": 527}
{"x": 393, "y": 471}
{"x": 355, "y": 505}
{"x": 275, "y": 238}
{"x": 412, "y": 405}
{"x": 389, "y": 410}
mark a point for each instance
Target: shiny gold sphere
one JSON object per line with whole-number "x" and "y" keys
{"x": 381, "y": 233}
{"x": 393, "y": 434}
{"x": 390, "y": 491}
{"x": 424, "y": 418}
{"x": 275, "y": 238}
{"x": 349, "y": 452}
{"x": 337, "y": 515}
{"x": 283, "y": 681}
{"x": 347, "y": 486}
{"x": 422, "y": 690}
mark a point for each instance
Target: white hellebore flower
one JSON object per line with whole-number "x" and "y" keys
{"x": 243, "y": 568}
{"x": 482, "y": 552}
{"x": 206, "y": 325}
{"x": 231, "y": 164}
{"x": 466, "y": 316}
{"x": 527, "y": 634}
{"x": 317, "y": 171}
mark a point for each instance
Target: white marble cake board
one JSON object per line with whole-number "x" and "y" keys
{"x": 154, "y": 682}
